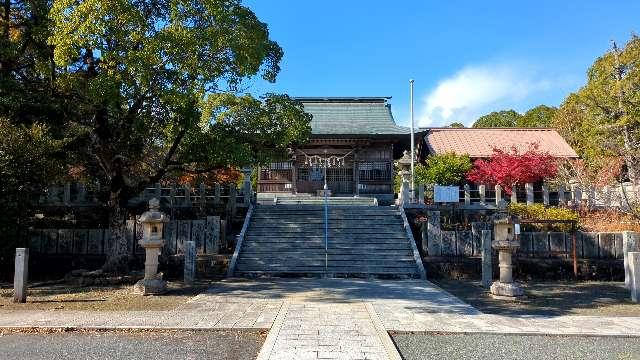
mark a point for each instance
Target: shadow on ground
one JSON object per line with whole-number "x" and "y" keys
{"x": 550, "y": 298}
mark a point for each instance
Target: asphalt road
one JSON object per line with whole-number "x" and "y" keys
{"x": 480, "y": 346}
{"x": 141, "y": 345}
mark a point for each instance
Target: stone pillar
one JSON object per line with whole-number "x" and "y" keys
{"x": 529, "y": 189}
{"x": 486, "y": 258}
{"x": 82, "y": 193}
{"x": 467, "y": 194}
{"x": 403, "y": 196}
{"x": 433, "y": 234}
{"x": 634, "y": 268}
{"x": 189, "y": 262}
{"x": 21, "y": 275}
{"x": 514, "y": 195}
{"x": 545, "y": 195}
{"x": 606, "y": 196}
{"x": 246, "y": 186}
{"x": 482, "y": 191}
{"x": 576, "y": 195}
{"x": 424, "y": 234}
{"x": 498, "y": 194}
{"x": 506, "y": 267}
{"x": 591, "y": 197}
{"x": 420, "y": 194}
{"x": 561, "y": 199}
{"x": 630, "y": 243}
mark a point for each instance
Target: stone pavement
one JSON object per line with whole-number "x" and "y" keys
{"x": 339, "y": 318}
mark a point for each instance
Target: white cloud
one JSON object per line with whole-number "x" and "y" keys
{"x": 476, "y": 90}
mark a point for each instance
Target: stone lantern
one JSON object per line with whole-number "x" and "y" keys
{"x": 405, "y": 165}
{"x": 152, "y": 223}
{"x": 506, "y": 242}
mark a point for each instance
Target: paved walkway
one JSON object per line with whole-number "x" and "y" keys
{"x": 339, "y": 318}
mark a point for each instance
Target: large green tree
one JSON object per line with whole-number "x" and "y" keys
{"x": 539, "y": 116}
{"x": 503, "y": 118}
{"x": 144, "y": 89}
{"x": 603, "y": 117}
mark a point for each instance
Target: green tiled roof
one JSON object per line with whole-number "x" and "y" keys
{"x": 352, "y": 116}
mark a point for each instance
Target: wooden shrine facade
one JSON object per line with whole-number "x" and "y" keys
{"x": 367, "y": 169}
{"x": 359, "y": 139}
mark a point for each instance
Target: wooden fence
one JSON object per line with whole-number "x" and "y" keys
{"x": 543, "y": 244}
{"x": 208, "y": 234}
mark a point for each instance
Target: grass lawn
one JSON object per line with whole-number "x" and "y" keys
{"x": 550, "y": 298}
{"x": 100, "y": 298}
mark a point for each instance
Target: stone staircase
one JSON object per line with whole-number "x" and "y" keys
{"x": 363, "y": 241}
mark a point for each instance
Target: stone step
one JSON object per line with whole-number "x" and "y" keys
{"x": 321, "y": 240}
{"x": 331, "y": 269}
{"x": 332, "y": 252}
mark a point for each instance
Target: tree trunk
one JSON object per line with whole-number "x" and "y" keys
{"x": 119, "y": 251}
{"x": 629, "y": 157}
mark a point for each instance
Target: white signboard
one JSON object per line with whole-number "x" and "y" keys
{"x": 446, "y": 194}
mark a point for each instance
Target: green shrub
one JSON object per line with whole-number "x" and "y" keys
{"x": 540, "y": 212}
{"x": 444, "y": 169}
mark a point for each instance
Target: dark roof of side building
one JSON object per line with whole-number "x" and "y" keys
{"x": 340, "y": 116}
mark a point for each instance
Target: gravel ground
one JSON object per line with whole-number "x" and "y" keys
{"x": 137, "y": 345}
{"x": 100, "y": 298}
{"x": 479, "y": 346}
{"x": 589, "y": 298}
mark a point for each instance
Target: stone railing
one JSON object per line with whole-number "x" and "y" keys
{"x": 623, "y": 197}
{"x": 173, "y": 195}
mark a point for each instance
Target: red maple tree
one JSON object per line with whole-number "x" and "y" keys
{"x": 509, "y": 168}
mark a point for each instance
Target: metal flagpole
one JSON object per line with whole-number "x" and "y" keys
{"x": 413, "y": 151}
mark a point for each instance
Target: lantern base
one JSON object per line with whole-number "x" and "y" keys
{"x": 150, "y": 287}
{"x": 506, "y": 291}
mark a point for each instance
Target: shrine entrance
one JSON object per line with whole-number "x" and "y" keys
{"x": 311, "y": 171}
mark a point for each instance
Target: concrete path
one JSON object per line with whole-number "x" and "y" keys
{"x": 343, "y": 318}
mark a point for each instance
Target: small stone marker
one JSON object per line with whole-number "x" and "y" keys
{"x": 486, "y": 258}
{"x": 634, "y": 268}
{"x": 630, "y": 243}
{"x": 21, "y": 275}
{"x": 189, "y": 262}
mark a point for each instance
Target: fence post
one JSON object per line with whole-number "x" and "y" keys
{"x": 561, "y": 199}
{"x": 529, "y": 189}
{"x": 233, "y": 192}
{"x": 82, "y": 193}
{"x": 514, "y": 195}
{"x": 421, "y": 194}
{"x": 606, "y": 197}
{"x": 498, "y": 194}
{"x": 545, "y": 195}
{"x": 203, "y": 195}
{"x": 158, "y": 191}
{"x": 187, "y": 195}
{"x": 216, "y": 193}
{"x": 591, "y": 197}
{"x": 634, "y": 271}
{"x": 21, "y": 275}
{"x": 467, "y": 194}
{"x": 487, "y": 269}
{"x": 630, "y": 243}
{"x": 67, "y": 194}
{"x": 172, "y": 196}
{"x": 482, "y": 193}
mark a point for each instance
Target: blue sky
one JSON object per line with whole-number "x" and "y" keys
{"x": 468, "y": 58}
